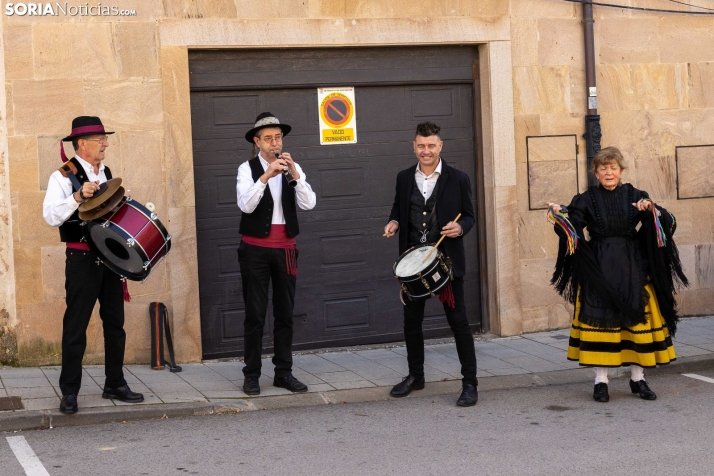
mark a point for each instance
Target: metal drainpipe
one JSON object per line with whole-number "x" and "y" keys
{"x": 593, "y": 133}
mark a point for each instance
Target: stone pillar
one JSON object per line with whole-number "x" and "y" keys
{"x": 8, "y": 316}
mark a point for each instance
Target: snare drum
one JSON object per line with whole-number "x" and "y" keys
{"x": 130, "y": 240}
{"x": 420, "y": 280}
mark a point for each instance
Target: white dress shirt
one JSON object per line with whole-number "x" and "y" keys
{"x": 250, "y": 192}
{"x": 426, "y": 183}
{"x": 59, "y": 201}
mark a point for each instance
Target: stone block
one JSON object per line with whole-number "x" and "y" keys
{"x": 552, "y": 148}
{"x": 578, "y": 91}
{"x": 59, "y": 46}
{"x": 525, "y": 125}
{"x": 701, "y": 92}
{"x": 141, "y": 154}
{"x": 696, "y": 302}
{"x": 52, "y": 277}
{"x": 687, "y": 255}
{"x": 483, "y": 8}
{"x": 681, "y": 38}
{"x": 9, "y": 113}
{"x": 660, "y": 86}
{"x": 539, "y": 90}
{"x": 47, "y": 106}
{"x": 155, "y": 288}
{"x": 130, "y": 38}
{"x": 327, "y": 9}
{"x": 524, "y": 41}
{"x": 191, "y": 9}
{"x": 33, "y": 230}
{"x": 560, "y": 315}
{"x": 556, "y": 41}
{"x": 126, "y": 105}
{"x": 509, "y": 282}
{"x": 561, "y": 124}
{"x": 704, "y": 256}
{"x": 138, "y": 333}
{"x": 627, "y": 40}
{"x": 18, "y": 52}
{"x": 535, "y": 319}
{"x": 22, "y": 158}
{"x": 522, "y": 186}
{"x": 536, "y": 238}
{"x": 183, "y": 271}
{"x": 39, "y": 336}
{"x": 695, "y": 220}
{"x": 552, "y": 181}
{"x": 536, "y": 290}
{"x": 543, "y": 9}
{"x": 178, "y": 151}
{"x": 695, "y": 171}
{"x": 28, "y": 275}
{"x": 657, "y": 176}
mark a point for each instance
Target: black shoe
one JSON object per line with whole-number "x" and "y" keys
{"x": 68, "y": 405}
{"x": 643, "y": 390}
{"x": 469, "y": 396}
{"x": 291, "y": 383}
{"x": 600, "y": 394}
{"x": 122, "y": 393}
{"x": 405, "y": 387}
{"x": 251, "y": 386}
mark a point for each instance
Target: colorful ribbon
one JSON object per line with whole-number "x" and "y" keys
{"x": 559, "y": 219}
{"x": 661, "y": 237}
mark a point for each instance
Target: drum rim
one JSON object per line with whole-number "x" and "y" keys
{"x": 421, "y": 296}
{"x": 414, "y": 277}
{"x": 124, "y": 234}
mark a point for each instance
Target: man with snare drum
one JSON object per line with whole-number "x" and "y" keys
{"x": 429, "y": 194}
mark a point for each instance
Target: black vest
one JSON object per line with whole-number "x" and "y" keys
{"x": 422, "y": 217}
{"x": 258, "y": 223}
{"x": 71, "y": 230}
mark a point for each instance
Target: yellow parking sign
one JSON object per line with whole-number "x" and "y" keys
{"x": 337, "y": 116}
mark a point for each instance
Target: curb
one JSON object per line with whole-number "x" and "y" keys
{"x": 45, "y": 419}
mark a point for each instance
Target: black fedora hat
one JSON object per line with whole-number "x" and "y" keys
{"x": 266, "y": 119}
{"x": 86, "y": 126}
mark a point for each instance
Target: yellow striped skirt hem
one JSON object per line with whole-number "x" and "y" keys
{"x": 647, "y": 345}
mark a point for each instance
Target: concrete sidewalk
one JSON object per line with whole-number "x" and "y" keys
{"x": 356, "y": 374}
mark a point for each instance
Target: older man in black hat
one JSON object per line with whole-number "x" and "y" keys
{"x": 267, "y": 250}
{"x": 86, "y": 279}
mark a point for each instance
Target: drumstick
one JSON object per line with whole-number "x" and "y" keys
{"x": 441, "y": 239}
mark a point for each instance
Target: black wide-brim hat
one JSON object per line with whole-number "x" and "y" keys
{"x": 266, "y": 119}
{"x": 86, "y": 126}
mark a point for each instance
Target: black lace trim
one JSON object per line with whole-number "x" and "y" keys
{"x": 618, "y": 330}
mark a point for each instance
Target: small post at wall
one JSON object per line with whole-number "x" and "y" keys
{"x": 593, "y": 133}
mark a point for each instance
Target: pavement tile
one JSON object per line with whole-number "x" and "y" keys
{"x": 683, "y": 350}
{"x": 181, "y": 398}
{"x": 171, "y": 387}
{"x": 211, "y": 394}
{"x": 94, "y": 370}
{"x": 690, "y": 339}
{"x": 89, "y": 401}
{"x": 315, "y": 364}
{"x": 340, "y": 358}
{"x": 709, "y": 347}
{"x": 26, "y": 382}
{"x": 380, "y": 354}
{"x": 160, "y": 379}
{"x": 531, "y": 360}
{"x": 491, "y": 363}
{"x": 21, "y": 373}
{"x": 320, "y": 387}
{"x": 86, "y": 389}
{"x": 335, "y": 377}
{"x": 32, "y": 392}
{"x": 215, "y": 386}
{"x": 512, "y": 371}
{"x": 352, "y": 384}
{"x": 50, "y": 403}
{"x": 306, "y": 378}
{"x": 483, "y": 373}
{"x": 149, "y": 399}
{"x": 386, "y": 382}
{"x": 400, "y": 366}
{"x": 372, "y": 374}
{"x": 270, "y": 390}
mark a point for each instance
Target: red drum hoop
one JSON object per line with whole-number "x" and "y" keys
{"x": 131, "y": 240}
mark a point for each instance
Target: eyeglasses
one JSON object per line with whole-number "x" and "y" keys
{"x": 269, "y": 139}
{"x": 99, "y": 139}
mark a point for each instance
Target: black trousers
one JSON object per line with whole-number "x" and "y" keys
{"x": 87, "y": 281}
{"x": 463, "y": 336}
{"x": 258, "y": 267}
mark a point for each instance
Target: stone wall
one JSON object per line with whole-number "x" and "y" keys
{"x": 655, "y": 77}
{"x": 655, "y": 94}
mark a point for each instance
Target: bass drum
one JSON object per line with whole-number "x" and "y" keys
{"x": 131, "y": 240}
{"x": 419, "y": 279}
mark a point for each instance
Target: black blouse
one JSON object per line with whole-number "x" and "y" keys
{"x": 608, "y": 272}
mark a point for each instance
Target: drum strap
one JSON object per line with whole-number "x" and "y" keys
{"x": 159, "y": 317}
{"x": 70, "y": 171}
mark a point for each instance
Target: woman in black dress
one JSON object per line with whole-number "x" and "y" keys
{"x": 622, "y": 280}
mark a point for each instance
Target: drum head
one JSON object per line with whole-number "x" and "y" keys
{"x": 412, "y": 261}
{"x": 112, "y": 246}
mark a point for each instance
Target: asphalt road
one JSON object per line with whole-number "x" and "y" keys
{"x": 541, "y": 430}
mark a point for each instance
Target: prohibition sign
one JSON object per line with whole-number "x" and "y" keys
{"x": 336, "y": 110}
